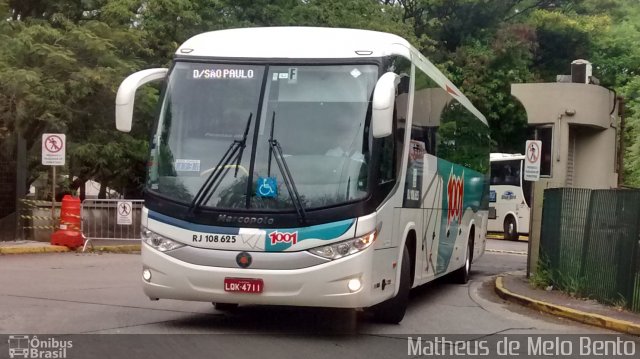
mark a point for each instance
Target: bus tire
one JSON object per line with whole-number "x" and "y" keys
{"x": 462, "y": 274}
{"x": 510, "y": 229}
{"x": 392, "y": 310}
{"x": 225, "y": 307}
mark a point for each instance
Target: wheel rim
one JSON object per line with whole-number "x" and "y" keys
{"x": 467, "y": 262}
{"x": 510, "y": 227}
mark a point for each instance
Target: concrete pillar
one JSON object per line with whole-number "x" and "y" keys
{"x": 583, "y": 118}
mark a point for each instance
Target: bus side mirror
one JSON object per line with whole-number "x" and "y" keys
{"x": 127, "y": 94}
{"x": 384, "y": 96}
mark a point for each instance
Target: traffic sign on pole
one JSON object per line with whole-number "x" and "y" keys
{"x": 53, "y": 149}
{"x": 532, "y": 155}
{"x": 125, "y": 215}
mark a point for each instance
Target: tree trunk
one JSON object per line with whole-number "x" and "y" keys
{"x": 103, "y": 190}
{"x": 83, "y": 191}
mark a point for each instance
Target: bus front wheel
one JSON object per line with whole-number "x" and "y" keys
{"x": 392, "y": 310}
{"x": 510, "y": 229}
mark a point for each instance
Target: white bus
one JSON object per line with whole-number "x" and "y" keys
{"x": 510, "y": 195}
{"x": 282, "y": 171}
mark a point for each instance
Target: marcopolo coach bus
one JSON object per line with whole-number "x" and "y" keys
{"x": 509, "y": 197}
{"x": 308, "y": 167}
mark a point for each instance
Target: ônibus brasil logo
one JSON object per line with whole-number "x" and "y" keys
{"x": 283, "y": 237}
{"x": 455, "y": 196}
{"x": 25, "y": 346}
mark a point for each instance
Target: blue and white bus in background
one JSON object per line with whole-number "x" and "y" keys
{"x": 509, "y": 210}
{"x": 308, "y": 167}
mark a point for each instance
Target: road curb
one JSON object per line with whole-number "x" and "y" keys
{"x": 505, "y": 251}
{"x": 13, "y": 250}
{"x": 33, "y": 250}
{"x": 569, "y": 313}
{"x": 501, "y": 238}
{"x": 125, "y": 248}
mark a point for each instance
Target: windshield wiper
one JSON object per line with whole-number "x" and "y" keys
{"x": 276, "y": 150}
{"x": 221, "y": 169}
{"x": 242, "y": 145}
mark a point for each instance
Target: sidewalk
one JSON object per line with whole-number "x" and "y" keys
{"x": 96, "y": 246}
{"x": 515, "y": 287}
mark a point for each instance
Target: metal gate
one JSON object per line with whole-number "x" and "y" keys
{"x": 111, "y": 219}
{"x": 590, "y": 243}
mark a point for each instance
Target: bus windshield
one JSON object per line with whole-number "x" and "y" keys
{"x": 318, "y": 114}
{"x": 505, "y": 173}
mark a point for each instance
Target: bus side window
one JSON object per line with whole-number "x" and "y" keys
{"x": 387, "y": 160}
{"x": 427, "y": 95}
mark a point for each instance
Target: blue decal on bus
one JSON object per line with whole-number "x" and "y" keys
{"x": 282, "y": 238}
{"x": 492, "y": 196}
{"x": 267, "y": 187}
{"x": 508, "y": 195}
{"x": 463, "y": 190}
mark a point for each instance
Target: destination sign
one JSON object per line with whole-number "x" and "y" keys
{"x": 223, "y": 74}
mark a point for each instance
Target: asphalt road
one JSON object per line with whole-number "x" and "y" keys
{"x": 100, "y": 294}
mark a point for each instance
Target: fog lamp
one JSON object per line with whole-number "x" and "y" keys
{"x": 354, "y": 285}
{"x": 146, "y": 275}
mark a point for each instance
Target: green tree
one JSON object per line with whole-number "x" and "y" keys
{"x": 62, "y": 61}
{"x": 632, "y": 133}
{"x": 485, "y": 72}
{"x": 59, "y": 75}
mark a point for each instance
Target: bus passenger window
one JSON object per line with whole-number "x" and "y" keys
{"x": 387, "y": 163}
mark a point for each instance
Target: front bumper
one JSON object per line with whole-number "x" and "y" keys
{"x": 323, "y": 285}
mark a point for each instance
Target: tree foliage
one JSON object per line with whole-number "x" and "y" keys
{"x": 62, "y": 61}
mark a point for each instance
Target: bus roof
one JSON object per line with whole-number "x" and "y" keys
{"x": 292, "y": 42}
{"x": 505, "y": 156}
{"x": 296, "y": 42}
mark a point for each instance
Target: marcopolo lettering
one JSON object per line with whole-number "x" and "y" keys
{"x": 245, "y": 219}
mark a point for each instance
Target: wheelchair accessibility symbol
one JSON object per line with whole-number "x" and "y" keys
{"x": 267, "y": 187}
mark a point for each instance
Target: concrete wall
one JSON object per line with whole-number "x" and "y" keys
{"x": 583, "y": 118}
{"x": 593, "y": 155}
{"x": 546, "y": 102}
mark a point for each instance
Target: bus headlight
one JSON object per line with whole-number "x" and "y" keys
{"x": 345, "y": 248}
{"x": 158, "y": 242}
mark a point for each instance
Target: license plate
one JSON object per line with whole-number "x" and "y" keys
{"x": 243, "y": 285}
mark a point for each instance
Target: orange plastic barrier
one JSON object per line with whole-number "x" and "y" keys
{"x": 69, "y": 234}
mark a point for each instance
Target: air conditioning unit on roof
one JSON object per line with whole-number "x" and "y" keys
{"x": 581, "y": 71}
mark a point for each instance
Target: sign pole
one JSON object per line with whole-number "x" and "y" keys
{"x": 53, "y": 154}
{"x": 533, "y": 155}
{"x": 532, "y": 199}
{"x": 53, "y": 197}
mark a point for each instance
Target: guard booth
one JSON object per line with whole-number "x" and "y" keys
{"x": 577, "y": 121}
